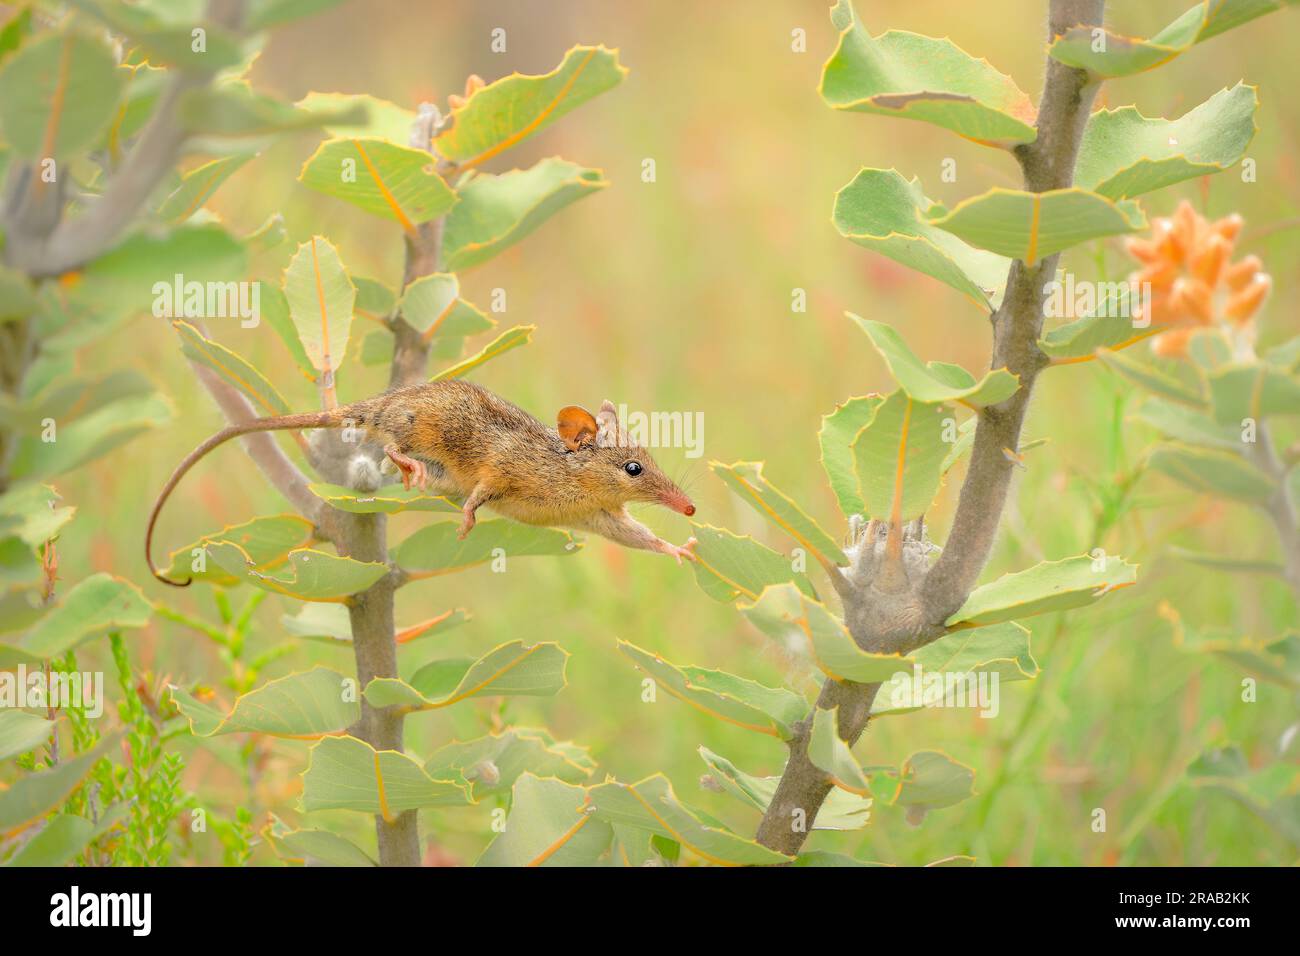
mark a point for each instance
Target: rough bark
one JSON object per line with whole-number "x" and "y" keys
{"x": 894, "y": 604}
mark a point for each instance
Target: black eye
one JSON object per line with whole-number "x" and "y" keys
{"x": 633, "y": 468}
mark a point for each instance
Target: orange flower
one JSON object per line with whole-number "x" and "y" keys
{"x": 1194, "y": 285}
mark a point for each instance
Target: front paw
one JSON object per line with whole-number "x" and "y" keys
{"x": 466, "y": 526}
{"x": 686, "y": 551}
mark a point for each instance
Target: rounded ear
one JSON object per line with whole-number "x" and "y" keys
{"x": 576, "y": 426}
{"x": 607, "y": 425}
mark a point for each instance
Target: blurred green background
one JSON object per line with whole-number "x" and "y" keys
{"x": 676, "y": 295}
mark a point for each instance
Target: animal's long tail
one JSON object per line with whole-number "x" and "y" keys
{"x": 330, "y": 419}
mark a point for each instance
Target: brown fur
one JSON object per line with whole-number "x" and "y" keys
{"x": 476, "y": 444}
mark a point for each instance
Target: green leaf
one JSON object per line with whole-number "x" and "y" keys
{"x": 59, "y": 841}
{"x": 57, "y": 95}
{"x": 514, "y": 669}
{"x": 429, "y": 300}
{"x": 1208, "y": 348}
{"x": 1151, "y": 378}
{"x": 1033, "y": 226}
{"x": 1285, "y": 357}
{"x": 801, "y": 624}
{"x": 1254, "y": 391}
{"x": 388, "y": 500}
{"x": 344, "y": 773}
{"x": 323, "y": 622}
{"x": 64, "y": 836}
{"x": 332, "y": 624}
{"x": 495, "y": 212}
{"x": 161, "y": 40}
{"x": 550, "y": 824}
{"x": 435, "y": 549}
{"x": 1107, "y": 325}
{"x": 310, "y": 576}
{"x": 93, "y": 435}
{"x": 269, "y": 235}
{"x": 935, "y": 382}
{"x": 21, "y": 732}
{"x": 882, "y": 211}
{"x": 267, "y": 541}
{"x": 463, "y": 320}
{"x": 495, "y": 762}
{"x": 1188, "y": 425}
{"x": 19, "y": 564}
{"x": 432, "y": 305}
{"x": 376, "y": 118}
{"x": 320, "y": 297}
{"x": 265, "y": 14}
{"x": 1049, "y": 586}
{"x": 650, "y": 804}
{"x": 313, "y": 846}
{"x": 33, "y": 795}
{"x": 94, "y": 606}
{"x": 233, "y": 109}
{"x": 305, "y": 704}
{"x": 373, "y": 297}
{"x": 511, "y": 338}
{"x": 746, "y": 479}
{"x": 20, "y": 608}
{"x": 275, "y": 309}
{"x": 962, "y": 446}
{"x": 1268, "y": 792}
{"x": 1001, "y": 649}
{"x": 840, "y": 810}
{"x": 918, "y": 77}
{"x": 144, "y": 86}
{"x": 898, "y": 457}
{"x": 135, "y": 271}
{"x": 835, "y": 652}
{"x": 838, "y": 430}
{"x": 828, "y": 753}
{"x": 1212, "y": 472}
{"x": 1121, "y": 55}
{"x": 633, "y": 847}
{"x": 1276, "y": 661}
{"x": 384, "y": 179}
{"x": 928, "y": 780}
{"x": 197, "y": 187}
{"x": 767, "y": 710}
{"x": 511, "y": 109}
{"x": 1124, "y": 153}
{"x": 15, "y": 31}
{"x": 30, "y": 512}
{"x": 730, "y": 566}
{"x": 233, "y": 368}
{"x": 79, "y": 392}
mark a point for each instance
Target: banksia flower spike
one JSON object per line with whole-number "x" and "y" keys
{"x": 1194, "y": 284}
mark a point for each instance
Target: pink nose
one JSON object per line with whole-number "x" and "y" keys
{"x": 688, "y": 510}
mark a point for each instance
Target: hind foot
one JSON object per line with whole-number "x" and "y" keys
{"x": 413, "y": 471}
